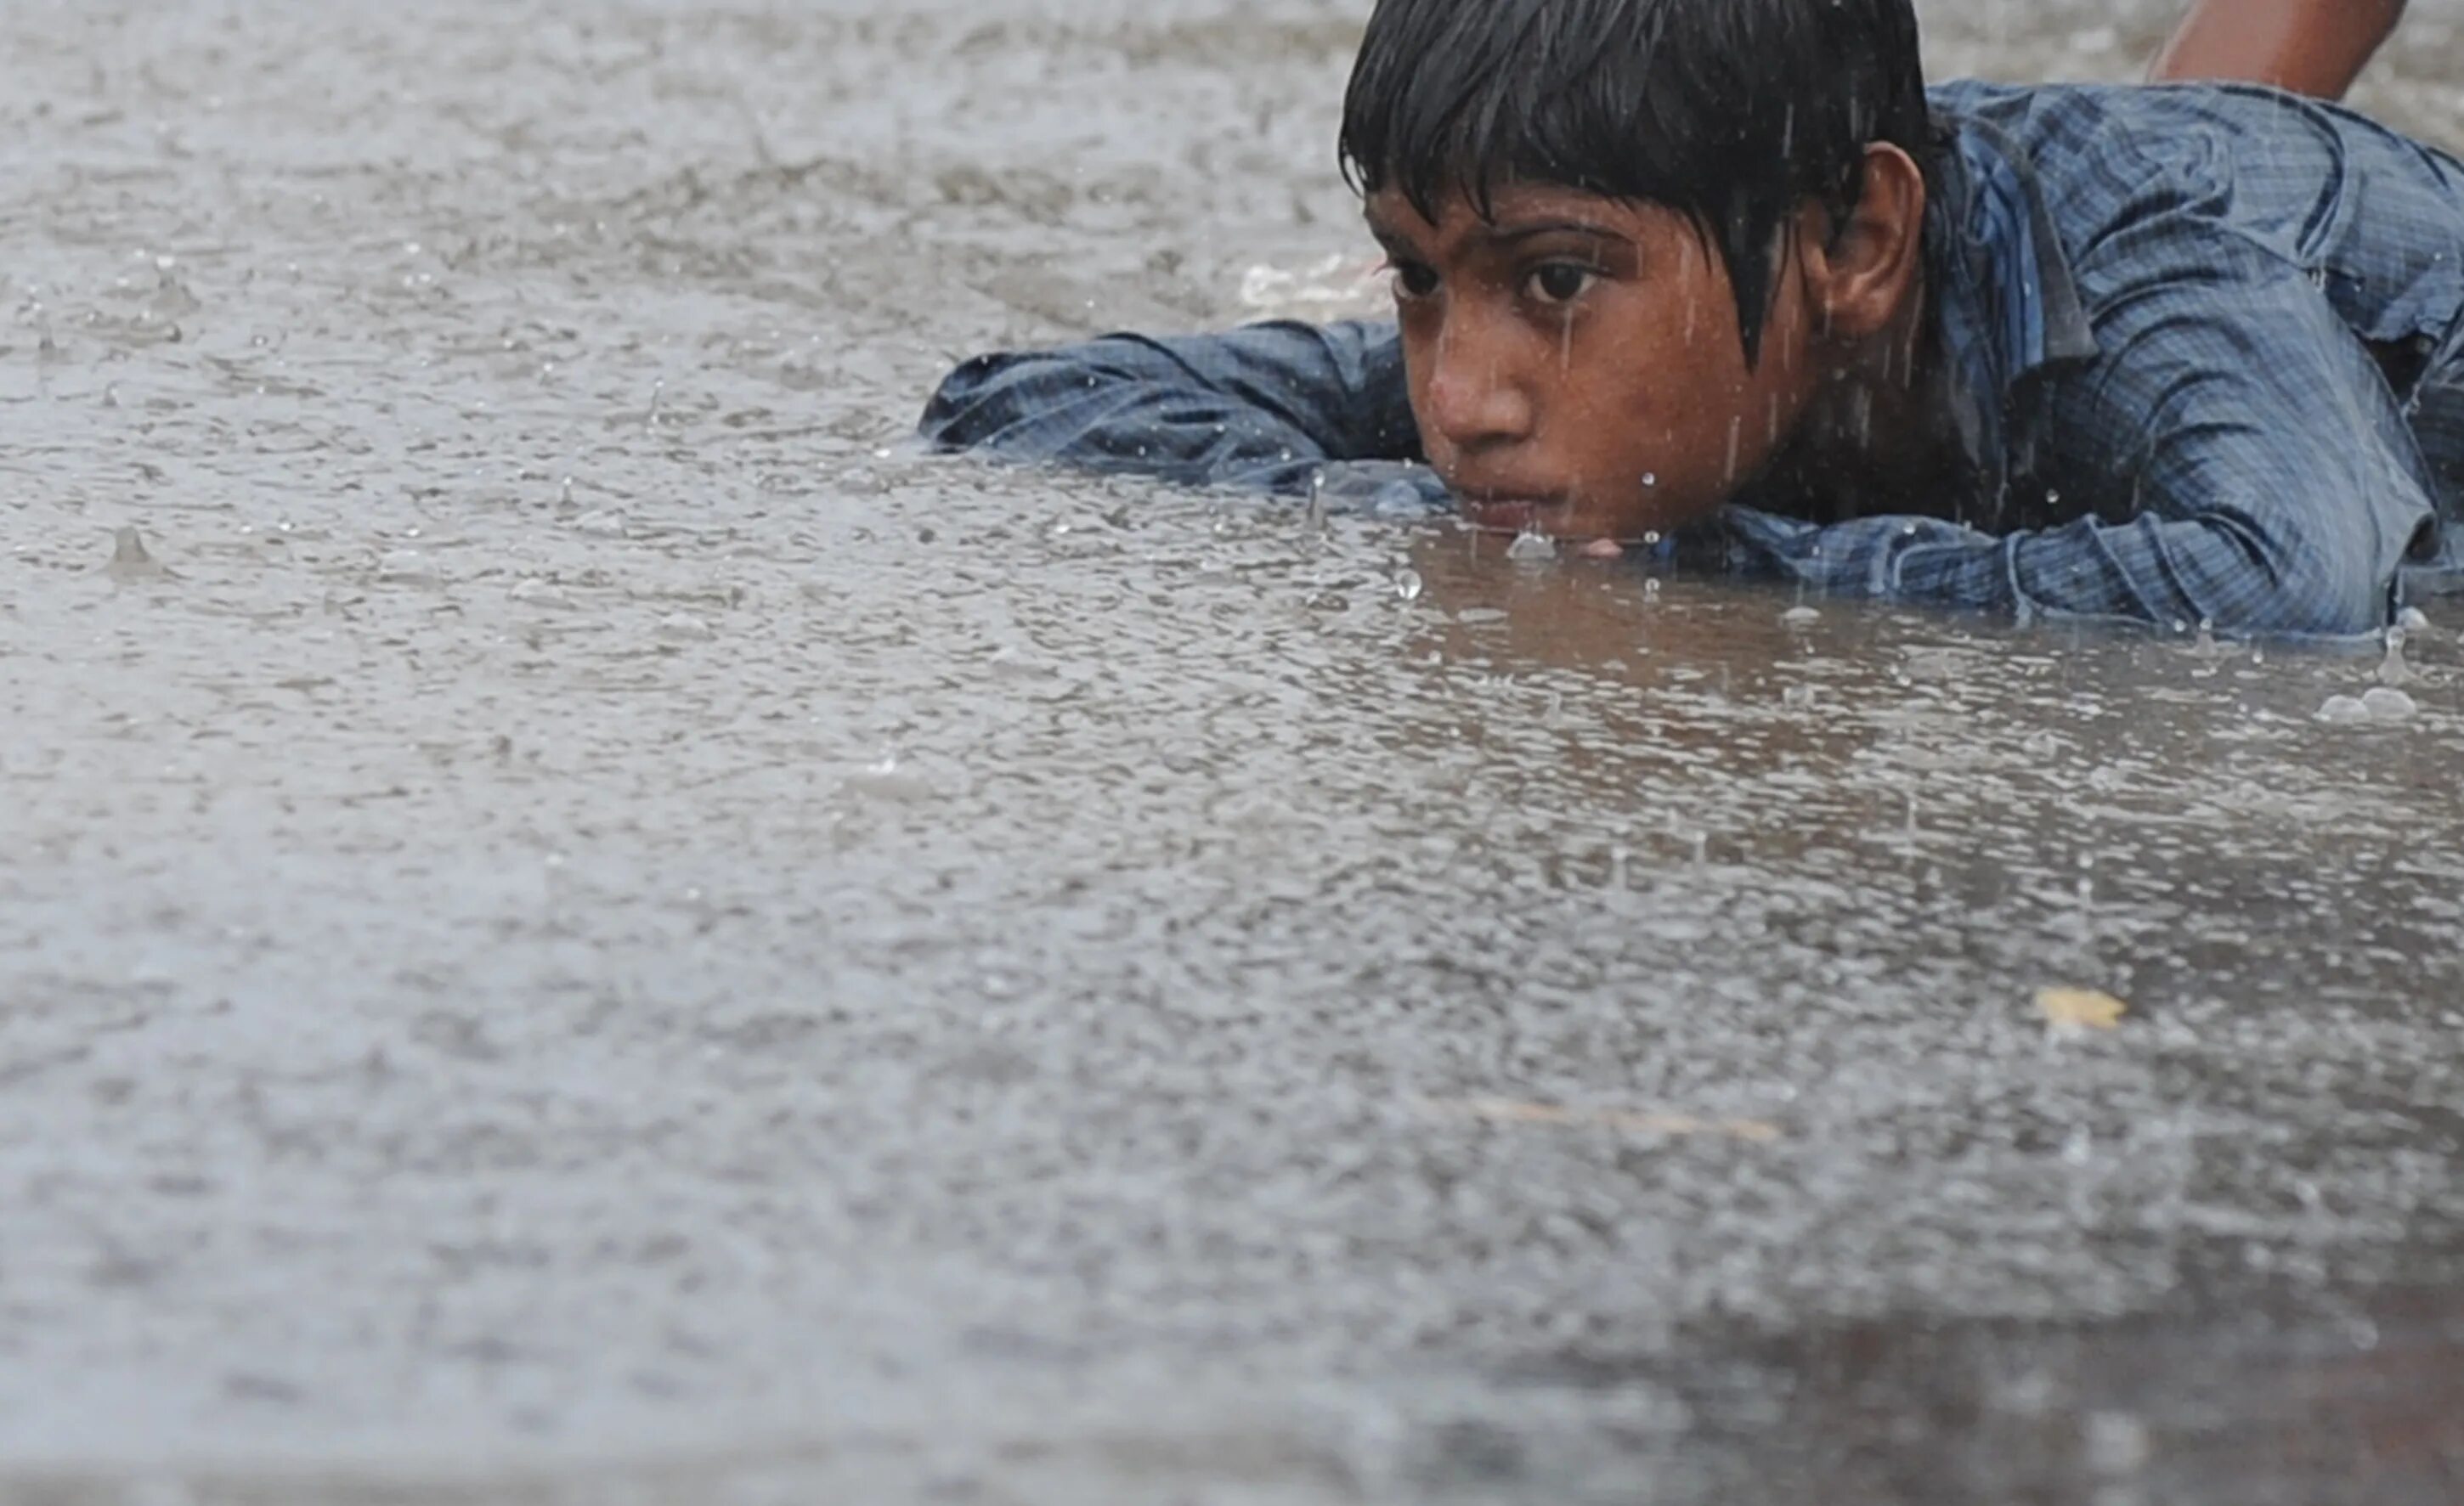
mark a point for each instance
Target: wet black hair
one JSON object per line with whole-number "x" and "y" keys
{"x": 1732, "y": 112}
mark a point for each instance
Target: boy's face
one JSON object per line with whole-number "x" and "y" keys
{"x": 1575, "y": 365}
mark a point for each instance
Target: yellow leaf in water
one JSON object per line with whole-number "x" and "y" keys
{"x": 2083, "y": 1009}
{"x": 1516, "y": 1112}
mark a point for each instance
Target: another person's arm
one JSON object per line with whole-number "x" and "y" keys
{"x": 1263, "y": 408}
{"x": 2315, "y": 47}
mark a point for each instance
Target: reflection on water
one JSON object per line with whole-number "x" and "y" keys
{"x": 566, "y": 892}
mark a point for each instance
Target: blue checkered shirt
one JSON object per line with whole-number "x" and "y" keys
{"x": 2202, "y": 346}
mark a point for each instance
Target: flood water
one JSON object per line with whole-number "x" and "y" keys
{"x": 579, "y": 924}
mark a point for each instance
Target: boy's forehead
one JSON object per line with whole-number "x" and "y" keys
{"x": 1511, "y": 206}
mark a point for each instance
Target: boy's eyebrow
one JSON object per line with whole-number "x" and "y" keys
{"x": 1397, "y": 243}
{"x": 1393, "y": 240}
{"x": 1506, "y": 236}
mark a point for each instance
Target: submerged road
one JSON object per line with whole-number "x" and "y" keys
{"x": 577, "y": 925}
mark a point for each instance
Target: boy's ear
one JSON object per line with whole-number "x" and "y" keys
{"x": 1861, "y": 274}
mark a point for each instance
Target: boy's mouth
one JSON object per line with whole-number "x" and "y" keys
{"x": 1508, "y": 512}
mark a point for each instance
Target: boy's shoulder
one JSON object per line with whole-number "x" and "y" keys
{"x": 2146, "y": 119}
{"x": 2314, "y": 180}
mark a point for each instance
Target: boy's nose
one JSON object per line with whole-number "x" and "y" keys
{"x": 1472, "y": 401}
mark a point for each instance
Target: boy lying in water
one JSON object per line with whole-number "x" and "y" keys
{"x": 1723, "y": 278}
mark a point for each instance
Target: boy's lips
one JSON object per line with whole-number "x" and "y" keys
{"x": 1508, "y": 512}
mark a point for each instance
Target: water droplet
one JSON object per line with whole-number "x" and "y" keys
{"x": 1800, "y": 617}
{"x": 2387, "y": 704}
{"x": 1532, "y": 547}
{"x": 406, "y": 567}
{"x": 2412, "y": 620}
{"x": 600, "y": 525}
{"x": 2392, "y": 669}
{"x": 1408, "y": 585}
{"x": 130, "y": 561}
{"x": 683, "y": 628}
{"x": 885, "y": 780}
{"x": 564, "y": 492}
{"x": 2118, "y": 1444}
{"x": 1650, "y": 479}
{"x": 2343, "y": 711}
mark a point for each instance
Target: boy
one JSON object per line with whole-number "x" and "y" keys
{"x": 1722, "y": 271}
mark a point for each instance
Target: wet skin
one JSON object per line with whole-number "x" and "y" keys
{"x": 1578, "y": 365}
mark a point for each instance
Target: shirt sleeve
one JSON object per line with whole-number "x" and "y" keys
{"x": 2251, "y": 469}
{"x": 1262, "y": 409}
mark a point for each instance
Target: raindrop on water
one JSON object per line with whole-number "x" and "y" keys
{"x": 1408, "y": 585}
{"x": 2387, "y": 704}
{"x": 131, "y": 561}
{"x": 1532, "y": 547}
{"x": 2392, "y": 669}
{"x": 532, "y": 591}
{"x": 405, "y": 567}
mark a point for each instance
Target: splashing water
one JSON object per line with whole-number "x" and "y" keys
{"x": 2393, "y": 669}
{"x": 2387, "y": 704}
{"x": 1529, "y": 547}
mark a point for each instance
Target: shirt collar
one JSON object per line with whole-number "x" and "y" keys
{"x": 2005, "y": 300}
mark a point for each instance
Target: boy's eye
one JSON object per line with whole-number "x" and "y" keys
{"x": 1412, "y": 280}
{"x": 1560, "y": 281}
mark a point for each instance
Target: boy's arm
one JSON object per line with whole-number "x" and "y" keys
{"x": 2316, "y": 47}
{"x": 2274, "y": 485}
{"x": 1262, "y": 409}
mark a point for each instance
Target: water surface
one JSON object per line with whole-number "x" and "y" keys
{"x": 584, "y": 926}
